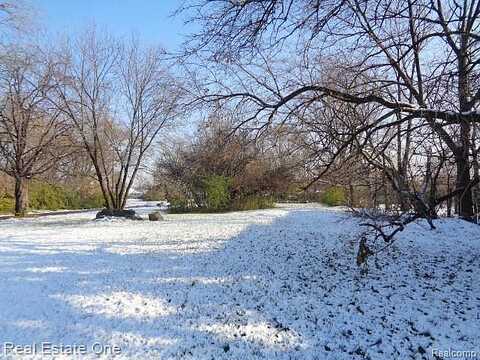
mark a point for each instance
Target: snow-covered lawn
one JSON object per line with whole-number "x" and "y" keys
{"x": 269, "y": 284}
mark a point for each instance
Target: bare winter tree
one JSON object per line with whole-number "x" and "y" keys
{"x": 413, "y": 60}
{"x": 31, "y": 129}
{"x": 119, "y": 97}
{"x": 150, "y": 99}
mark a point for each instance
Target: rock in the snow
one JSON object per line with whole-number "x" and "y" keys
{"x": 127, "y": 214}
{"x": 155, "y": 216}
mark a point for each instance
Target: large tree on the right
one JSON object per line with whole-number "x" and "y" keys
{"x": 414, "y": 60}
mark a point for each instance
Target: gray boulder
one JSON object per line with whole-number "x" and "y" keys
{"x": 127, "y": 214}
{"x": 155, "y": 216}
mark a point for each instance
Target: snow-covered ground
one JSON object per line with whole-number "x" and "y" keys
{"x": 269, "y": 284}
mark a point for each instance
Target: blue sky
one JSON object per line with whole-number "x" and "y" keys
{"x": 150, "y": 19}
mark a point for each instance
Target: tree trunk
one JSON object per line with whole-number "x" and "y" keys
{"x": 464, "y": 200}
{"x": 21, "y": 196}
{"x": 476, "y": 171}
{"x": 352, "y": 199}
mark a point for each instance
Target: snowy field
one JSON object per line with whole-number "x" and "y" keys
{"x": 269, "y": 284}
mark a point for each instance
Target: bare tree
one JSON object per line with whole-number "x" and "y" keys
{"x": 150, "y": 97}
{"x": 31, "y": 129}
{"x": 119, "y": 97}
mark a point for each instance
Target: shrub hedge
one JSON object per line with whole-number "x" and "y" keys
{"x": 217, "y": 197}
{"x": 334, "y": 196}
{"x": 45, "y": 196}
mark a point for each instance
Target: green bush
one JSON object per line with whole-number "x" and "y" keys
{"x": 46, "y": 196}
{"x": 217, "y": 192}
{"x": 77, "y": 200}
{"x": 334, "y": 196}
{"x": 179, "y": 205}
{"x": 253, "y": 202}
{"x": 91, "y": 201}
{"x": 7, "y": 204}
{"x": 216, "y": 196}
